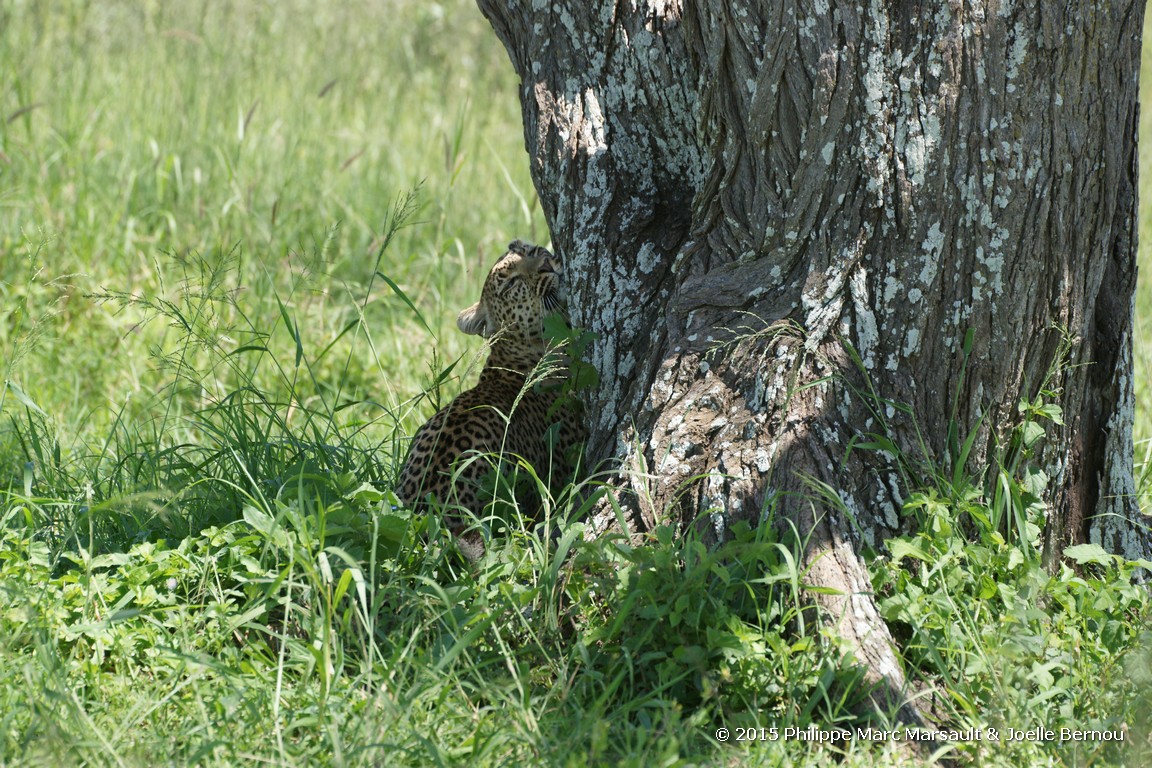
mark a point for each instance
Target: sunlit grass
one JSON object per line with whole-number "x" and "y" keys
{"x": 137, "y": 135}
{"x": 1142, "y": 339}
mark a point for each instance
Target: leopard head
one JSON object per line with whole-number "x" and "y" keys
{"x": 521, "y": 290}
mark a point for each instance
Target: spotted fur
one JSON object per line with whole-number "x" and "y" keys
{"x": 511, "y": 413}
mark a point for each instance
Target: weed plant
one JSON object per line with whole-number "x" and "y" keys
{"x": 1001, "y": 644}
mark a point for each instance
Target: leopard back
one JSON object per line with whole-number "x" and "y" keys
{"x": 516, "y": 411}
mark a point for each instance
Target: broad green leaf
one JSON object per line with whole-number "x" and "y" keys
{"x": 1089, "y": 553}
{"x": 902, "y": 548}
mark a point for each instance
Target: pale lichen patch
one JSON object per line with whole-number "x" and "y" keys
{"x": 867, "y": 332}
{"x": 911, "y": 342}
{"x": 647, "y": 258}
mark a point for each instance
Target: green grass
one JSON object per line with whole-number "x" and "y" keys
{"x": 1142, "y": 337}
{"x": 136, "y": 139}
{"x": 234, "y": 238}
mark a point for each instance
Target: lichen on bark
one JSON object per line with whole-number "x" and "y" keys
{"x": 768, "y": 209}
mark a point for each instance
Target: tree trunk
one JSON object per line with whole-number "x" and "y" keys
{"x": 773, "y": 214}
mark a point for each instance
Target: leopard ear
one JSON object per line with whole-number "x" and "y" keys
{"x": 474, "y": 321}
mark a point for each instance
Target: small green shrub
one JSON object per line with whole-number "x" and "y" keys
{"x": 1005, "y": 642}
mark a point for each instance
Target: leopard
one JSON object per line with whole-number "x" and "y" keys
{"x": 521, "y": 409}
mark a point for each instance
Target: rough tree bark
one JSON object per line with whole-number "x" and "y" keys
{"x": 741, "y": 190}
